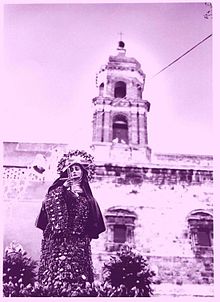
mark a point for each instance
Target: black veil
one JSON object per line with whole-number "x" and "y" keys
{"x": 95, "y": 224}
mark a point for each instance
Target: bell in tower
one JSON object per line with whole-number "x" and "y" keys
{"x": 120, "y": 133}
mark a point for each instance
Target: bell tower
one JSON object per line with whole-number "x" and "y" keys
{"x": 120, "y": 133}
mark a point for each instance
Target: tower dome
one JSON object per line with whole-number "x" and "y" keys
{"x": 123, "y": 66}
{"x": 120, "y": 113}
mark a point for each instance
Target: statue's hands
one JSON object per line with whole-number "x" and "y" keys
{"x": 73, "y": 186}
{"x": 68, "y": 183}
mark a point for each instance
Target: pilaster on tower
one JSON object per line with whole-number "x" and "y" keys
{"x": 120, "y": 132}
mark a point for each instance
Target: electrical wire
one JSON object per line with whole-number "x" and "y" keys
{"x": 181, "y": 56}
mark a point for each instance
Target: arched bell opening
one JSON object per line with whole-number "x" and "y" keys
{"x": 120, "y": 89}
{"x": 101, "y": 89}
{"x": 120, "y": 129}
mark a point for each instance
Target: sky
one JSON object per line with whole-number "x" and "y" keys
{"x": 52, "y": 53}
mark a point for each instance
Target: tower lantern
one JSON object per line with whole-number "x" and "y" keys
{"x": 120, "y": 133}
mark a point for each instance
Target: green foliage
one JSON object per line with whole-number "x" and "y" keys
{"x": 62, "y": 290}
{"x": 19, "y": 271}
{"x": 129, "y": 274}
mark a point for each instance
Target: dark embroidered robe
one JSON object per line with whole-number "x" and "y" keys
{"x": 68, "y": 223}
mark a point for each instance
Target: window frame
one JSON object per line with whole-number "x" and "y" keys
{"x": 119, "y": 217}
{"x": 200, "y": 221}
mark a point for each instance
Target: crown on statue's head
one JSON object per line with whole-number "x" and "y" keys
{"x": 77, "y": 157}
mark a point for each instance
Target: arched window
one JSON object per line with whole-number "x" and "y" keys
{"x": 120, "y": 129}
{"x": 120, "y": 228}
{"x": 139, "y": 91}
{"x": 120, "y": 89}
{"x": 101, "y": 89}
{"x": 201, "y": 231}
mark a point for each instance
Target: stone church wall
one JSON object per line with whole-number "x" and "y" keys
{"x": 161, "y": 229}
{"x": 160, "y": 197}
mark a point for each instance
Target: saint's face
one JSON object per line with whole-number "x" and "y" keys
{"x": 75, "y": 171}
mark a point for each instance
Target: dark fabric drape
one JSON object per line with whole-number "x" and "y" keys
{"x": 95, "y": 224}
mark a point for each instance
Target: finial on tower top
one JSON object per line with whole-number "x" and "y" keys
{"x": 121, "y": 34}
{"x": 121, "y": 44}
